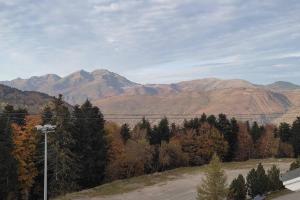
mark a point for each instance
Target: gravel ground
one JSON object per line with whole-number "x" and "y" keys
{"x": 293, "y": 196}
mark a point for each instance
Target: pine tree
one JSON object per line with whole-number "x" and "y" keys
{"x": 145, "y": 125}
{"x": 8, "y": 164}
{"x": 212, "y": 120}
{"x": 256, "y": 132}
{"x": 274, "y": 181}
{"x": 252, "y": 186}
{"x": 203, "y": 118}
{"x": 257, "y": 181}
{"x": 284, "y": 132}
{"x": 229, "y": 130}
{"x": 214, "y": 184}
{"x": 47, "y": 115}
{"x": 164, "y": 130}
{"x": 238, "y": 189}
{"x": 90, "y": 144}
{"x": 62, "y": 163}
{"x": 125, "y": 133}
{"x": 160, "y": 133}
{"x": 296, "y": 136}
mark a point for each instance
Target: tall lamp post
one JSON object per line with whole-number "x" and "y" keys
{"x": 47, "y": 128}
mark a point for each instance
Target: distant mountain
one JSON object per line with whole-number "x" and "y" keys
{"x": 33, "y": 101}
{"x": 116, "y": 94}
{"x": 76, "y": 87}
{"x": 283, "y": 86}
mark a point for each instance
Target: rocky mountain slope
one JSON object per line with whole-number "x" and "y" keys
{"x": 115, "y": 94}
{"x": 76, "y": 87}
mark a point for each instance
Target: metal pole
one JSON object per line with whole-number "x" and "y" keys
{"x": 45, "y": 168}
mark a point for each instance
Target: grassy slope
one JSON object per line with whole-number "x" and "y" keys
{"x": 127, "y": 185}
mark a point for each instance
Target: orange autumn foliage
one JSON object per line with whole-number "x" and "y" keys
{"x": 25, "y": 141}
{"x": 245, "y": 143}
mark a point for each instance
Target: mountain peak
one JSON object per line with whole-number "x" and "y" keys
{"x": 283, "y": 85}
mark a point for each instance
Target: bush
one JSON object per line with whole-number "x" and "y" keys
{"x": 295, "y": 164}
{"x": 171, "y": 156}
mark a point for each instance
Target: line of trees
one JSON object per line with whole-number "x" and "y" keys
{"x": 86, "y": 151}
{"x": 257, "y": 182}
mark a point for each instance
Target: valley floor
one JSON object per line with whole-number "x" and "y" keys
{"x": 175, "y": 184}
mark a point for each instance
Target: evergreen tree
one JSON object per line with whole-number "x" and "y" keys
{"x": 256, "y": 132}
{"x": 257, "y": 181}
{"x": 62, "y": 162}
{"x": 284, "y": 132}
{"x": 229, "y": 130}
{"x": 8, "y": 164}
{"x": 125, "y": 133}
{"x": 164, "y": 130}
{"x": 238, "y": 189}
{"x": 203, "y": 118}
{"x": 145, "y": 124}
{"x": 212, "y": 120}
{"x": 296, "y": 136}
{"x": 47, "y": 115}
{"x": 274, "y": 181}
{"x": 160, "y": 132}
{"x": 214, "y": 184}
{"x": 90, "y": 146}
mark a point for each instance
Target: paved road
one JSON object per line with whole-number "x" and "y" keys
{"x": 293, "y": 196}
{"x": 184, "y": 188}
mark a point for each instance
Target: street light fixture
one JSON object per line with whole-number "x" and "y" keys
{"x": 47, "y": 128}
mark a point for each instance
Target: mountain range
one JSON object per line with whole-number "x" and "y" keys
{"x": 115, "y": 94}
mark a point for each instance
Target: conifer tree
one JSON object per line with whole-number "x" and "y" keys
{"x": 62, "y": 163}
{"x": 212, "y": 120}
{"x": 274, "y": 181}
{"x": 125, "y": 133}
{"x": 256, "y": 132}
{"x": 238, "y": 189}
{"x": 229, "y": 130}
{"x": 296, "y": 136}
{"x": 203, "y": 118}
{"x": 284, "y": 132}
{"x": 213, "y": 186}
{"x": 8, "y": 164}
{"x": 90, "y": 146}
{"x": 145, "y": 125}
{"x": 164, "y": 130}
{"x": 257, "y": 181}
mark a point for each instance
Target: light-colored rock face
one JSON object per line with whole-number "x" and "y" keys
{"x": 116, "y": 94}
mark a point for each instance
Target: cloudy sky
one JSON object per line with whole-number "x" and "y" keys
{"x": 152, "y": 41}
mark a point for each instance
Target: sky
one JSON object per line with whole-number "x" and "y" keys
{"x": 152, "y": 41}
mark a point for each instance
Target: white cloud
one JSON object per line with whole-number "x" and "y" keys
{"x": 135, "y": 35}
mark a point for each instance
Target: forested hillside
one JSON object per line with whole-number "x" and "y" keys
{"x": 86, "y": 151}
